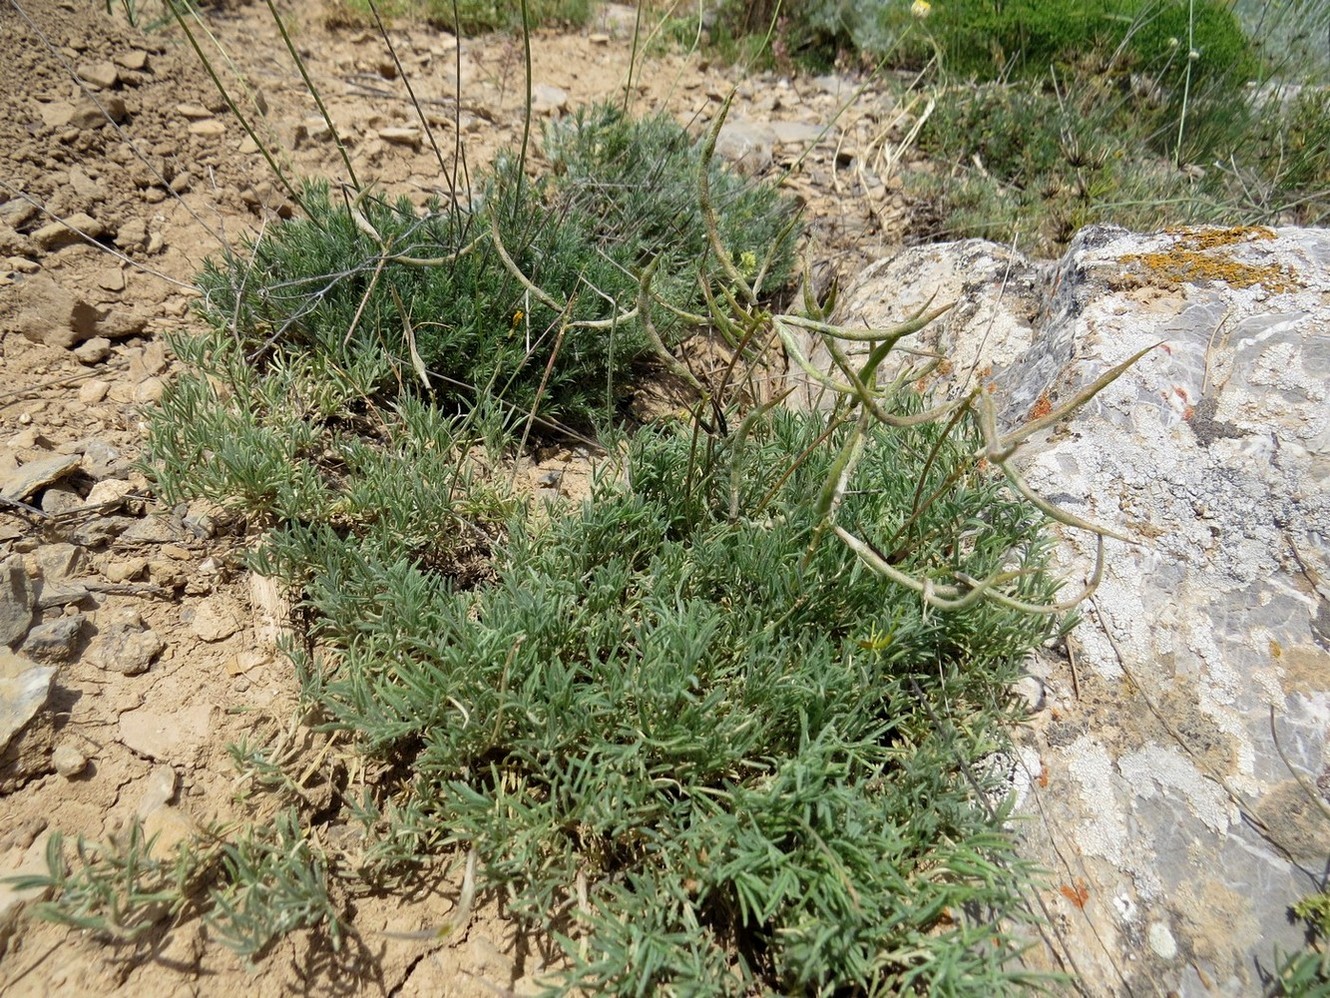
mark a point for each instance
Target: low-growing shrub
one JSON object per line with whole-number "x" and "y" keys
{"x": 740, "y": 757}
{"x": 351, "y": 280}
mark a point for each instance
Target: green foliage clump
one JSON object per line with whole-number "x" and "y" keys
{"x": 742, "y": 758}
{"x": 473, "y": 17}
{"x": 465, "y": 17}
{"x": 254, "y": 887}
{"x": 1295, "y": 152}
{"x": 1306, "y": 972}
{"x": 347, "y": 282}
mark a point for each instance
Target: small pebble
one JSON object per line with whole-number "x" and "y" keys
{"x": 69, "y": 762}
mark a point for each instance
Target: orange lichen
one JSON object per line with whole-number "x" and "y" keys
{"x": 1042, "y": 407}
{"x": 1043, "y": 778}
{"x": 1209, "y": 238}
{"x": 1182, "y": 265}
{"x": 1076, "y": 893}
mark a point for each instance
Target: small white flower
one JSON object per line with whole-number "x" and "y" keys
{"x": 921, "y": 8}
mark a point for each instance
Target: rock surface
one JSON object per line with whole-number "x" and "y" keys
{"x": 1168, "y": 782}
{"x": 24, "y": 687}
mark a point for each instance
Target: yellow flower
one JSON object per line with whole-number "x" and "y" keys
{"x": 921, "y": 8}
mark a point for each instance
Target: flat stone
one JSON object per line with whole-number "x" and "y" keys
{"x": 60, "y": 593}
{"x": 108, "y": 492}
{"x": 59, "y": 498}
{"x": 92, "y": 392}
{"x": 194, "y": 112}
{"x": 167, "y": 829}
{"x": 53, "y": 315}
{"x": 100, "y": 461}
{"x": 208, "y": 129}
{"x": 216, "y": 619}
{"x": 111, "y": 278}
{"x": 159, "y": 790}
{"x": 123, "y": 571}
{"x": 401, "y": 136}
{"x": 547, "y": 99}
{"x": 57, "y": 114}
{"x": 165, "y": 735}
{"x": 24, "y": 687}
{"x": 151, "y": 530}
{"x": 1202, "y": 669}
{"x": 30, "y": 477}
{"x": 122, "y": 322}
{"x": 99, "y": 74}
{"x": 746, "y": 144}
{"x": 149, "y": 391}
{"x": 16, "y": 600}
{"x": 85, "y": 114}
{"x": 68, "y": 232}
{"x": 84, "y": 186}
{"x": 796, "y": 132}
{"x": 13, "y": 901}
{"x": 132, "y": 235}
{"x": 135, "y": 59}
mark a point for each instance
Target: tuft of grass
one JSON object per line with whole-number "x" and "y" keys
{"x": 253, "y": 887}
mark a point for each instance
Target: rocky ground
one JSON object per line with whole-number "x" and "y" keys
{"x": 140, "y": 649}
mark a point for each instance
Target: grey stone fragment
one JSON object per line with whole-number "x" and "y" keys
{"x": 59, "y": 561}
{"x": 124, "y": 644}
{"x": 1212, "y": 453}
{"x": 101, "y": 460}
{"x": 746, "y": 144}
{"x": 28, "y": 478}
{"x": 548, "y": 99}
{"x": 60, "y": 593}
{"x": 56, "y": 640}
{"x": 97, "y": 532}
{"x": 16, "y": 600}
{"x": 60, "y": 499}
{"x": 151, "y": 530}
{"x": 797, "y": 132}
{"x": 24, "y": 687}
{"x": 159, "y": 789}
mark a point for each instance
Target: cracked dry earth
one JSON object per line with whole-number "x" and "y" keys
{"x": 140, "y": 648}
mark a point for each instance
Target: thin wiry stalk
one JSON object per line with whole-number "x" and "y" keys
{"x": 313, "y": 92}
{"x": 405, "y": 77}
